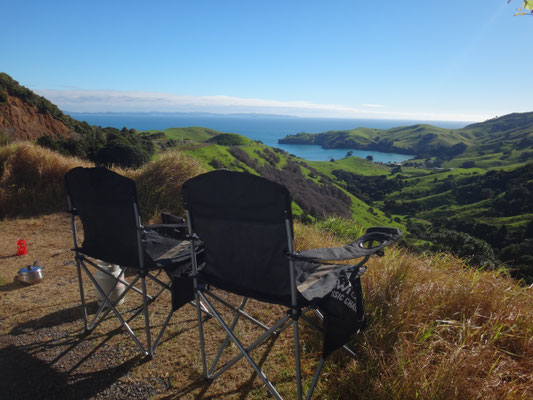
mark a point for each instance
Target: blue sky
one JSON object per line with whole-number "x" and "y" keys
{"x": 448, "y": 60}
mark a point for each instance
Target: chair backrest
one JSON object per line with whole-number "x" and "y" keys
{"x": 105, "y": 201}
{"x": 241, "y": 218}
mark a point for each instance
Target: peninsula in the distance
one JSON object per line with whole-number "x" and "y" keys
{"x": 509, "y": 131}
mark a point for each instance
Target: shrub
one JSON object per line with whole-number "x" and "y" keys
{"x": 475, "y": 251}
{"x": 121, "y": 154}
{"x": 216, "y": 164}
{"x": 468, "y": 164}
{"x": 229, "y": 139}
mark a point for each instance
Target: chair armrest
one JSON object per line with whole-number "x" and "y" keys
{"x": 174, "y": 231}
{"x": 167, "y": 218}
{"x": 383, "y": 236}
{"x": 171, "y": 226}
{"x": 164, "y": 226}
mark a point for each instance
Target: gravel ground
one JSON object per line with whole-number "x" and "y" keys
{"x": 45, "y": 353}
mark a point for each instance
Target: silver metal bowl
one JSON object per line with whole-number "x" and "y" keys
{"x": 31, "y": 274}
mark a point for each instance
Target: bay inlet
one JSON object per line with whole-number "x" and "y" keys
{"x": 267, "y": 129}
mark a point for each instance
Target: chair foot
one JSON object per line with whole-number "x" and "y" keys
{"x": 85, "y": 332}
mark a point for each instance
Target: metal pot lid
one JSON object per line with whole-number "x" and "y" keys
{"x": 30, "y": 269}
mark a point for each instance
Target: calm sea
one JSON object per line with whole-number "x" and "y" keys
{"x": 267, "y": 129}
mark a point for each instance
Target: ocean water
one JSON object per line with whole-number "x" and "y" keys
{"x": 267, "y": 129}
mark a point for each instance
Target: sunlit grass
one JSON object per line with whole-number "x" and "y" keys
{"x": 437, "y": 329}
{"x": 32, "y": 180}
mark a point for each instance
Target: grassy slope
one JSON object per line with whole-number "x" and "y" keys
{"x": 361, "y": 212}
{"x": 448, "y": 335}
{"x": 350, "y": 164}
{"x": 194, "y": 133}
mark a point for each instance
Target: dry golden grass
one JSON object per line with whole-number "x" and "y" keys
{"x": 32, "y": 180}
{"x": 159, "y": 182}
{"x": 438, "y": 330}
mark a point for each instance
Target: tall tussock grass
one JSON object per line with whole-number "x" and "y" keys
{"x": 32, "y": 180}
{"x": 159, "y": 183}
{"x": 438, "y": 329}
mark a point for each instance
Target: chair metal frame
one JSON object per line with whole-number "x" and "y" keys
{"x": 202, "y": 294}
{"x": 82, "y": 262}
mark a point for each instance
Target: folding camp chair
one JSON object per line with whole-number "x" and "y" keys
{"x": 106, "y": 203}
{"x": 245, "y": 223}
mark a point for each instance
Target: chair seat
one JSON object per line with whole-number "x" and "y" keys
{"x": 168, "y": 253}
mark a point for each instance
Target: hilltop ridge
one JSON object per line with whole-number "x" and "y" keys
{"x": 25, "y": 115}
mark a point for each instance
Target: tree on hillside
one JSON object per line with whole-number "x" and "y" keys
{"x": 122, "y": 154}
{"x": 526, "y": 9}
{"x": 475, "y": 251}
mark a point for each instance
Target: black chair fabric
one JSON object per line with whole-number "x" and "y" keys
{"x": 241, "y": 219}
{"x": 104, "y": 201}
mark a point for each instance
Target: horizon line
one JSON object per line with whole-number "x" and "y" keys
{"x": 85, "y": 101}
{"x": 258, "y": 114}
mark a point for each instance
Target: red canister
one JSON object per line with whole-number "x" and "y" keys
{"x": 21, "y": 247}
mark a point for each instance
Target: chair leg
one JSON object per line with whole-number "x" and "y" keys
{"x": 241, "y": 348}
{"x": 296, "y": 336}
{"x": 238, "y": 311}
{"x": 97, "y": 319}
{"x": 146, "y": 318}
{"x": 163, "y": 328}
{"x": 277, "y": 328}
{"x": 82, "y": 296}
{"x": 227, "y": 338}
{"x": 200, "y": 328}
{"x": 315, "y": 378}
{"x": 102, "y": 312}
{"x": 115, "y": 311}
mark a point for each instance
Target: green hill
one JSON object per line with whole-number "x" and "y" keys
{"x": 502, "y": 141}
{"x": 316, "y": 194}
{"x": 495, "y": 207}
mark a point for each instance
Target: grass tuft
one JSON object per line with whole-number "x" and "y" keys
{"x": 31, "y": 179}
{"x": 159, "y": 183}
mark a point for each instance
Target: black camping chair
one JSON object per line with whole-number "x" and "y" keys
{"x": 106, "y": 203}
{"x": 245, "y": 223}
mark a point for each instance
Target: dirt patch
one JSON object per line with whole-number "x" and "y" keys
{"x": 45, "y": 353}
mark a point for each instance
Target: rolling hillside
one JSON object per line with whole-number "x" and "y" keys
{"x": 501, "y": 141}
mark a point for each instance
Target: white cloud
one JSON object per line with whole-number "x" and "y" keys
{"x": 373, "y": 105}
{"x": 78, "y": 100}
